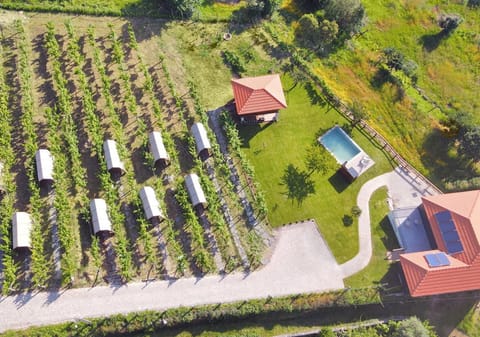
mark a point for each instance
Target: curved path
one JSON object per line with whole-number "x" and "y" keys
{"x": 362, "y": 259}
{"x": 403, "y": 191}
{"x": 301, "y": 263}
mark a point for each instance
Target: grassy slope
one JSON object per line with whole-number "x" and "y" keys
{"x": 449, "y": 74}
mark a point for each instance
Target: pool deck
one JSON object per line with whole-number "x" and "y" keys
{"x": 360, "y": 163}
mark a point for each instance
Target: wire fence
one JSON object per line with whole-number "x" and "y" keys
{"x": 386, "y": 147}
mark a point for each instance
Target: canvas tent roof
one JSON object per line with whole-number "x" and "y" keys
{"x": 150, "y": 203}
{"x": 157, "y": 148}
{"x": 195, "y": 190}
{"x": 21, "y": 228}
{"x": 100, "y": 220}
{"x": 44, "y": 161}
{"x": 111, "y": 156}
{"x": 258, "y": 94}
{"x": 201, "y": 138}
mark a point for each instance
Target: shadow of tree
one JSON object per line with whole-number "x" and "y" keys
{"x": 431, "y": 42}
{"x": 441, "y": 160}
{"x": 299, "y": 184}
{"x": 339, "y": 182}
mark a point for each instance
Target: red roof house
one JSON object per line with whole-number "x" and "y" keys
{"x": 455, "y": 266}
{"x": 258, "y": 98}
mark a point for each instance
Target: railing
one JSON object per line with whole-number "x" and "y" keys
{"x": 385, "y": 146}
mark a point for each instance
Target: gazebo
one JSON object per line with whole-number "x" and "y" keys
{"x": 258, "y": 99}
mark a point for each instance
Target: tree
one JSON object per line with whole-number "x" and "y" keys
{"x": 394, "y": 59}
{"x": 307, "y": 31}
{"x": 262, "y": 8}
{"x": 318, "y": 160}
{"x": 411, "y": 327}
{"x": 469, "y": 143}
{"x": 358, "y": 112}
{"x": 449, "y": 22}
{"x": 327, "y": 31}
{"x": 183, "y": 9}
{"x": 298, "y": 183}
{"x": 348, "y": 14}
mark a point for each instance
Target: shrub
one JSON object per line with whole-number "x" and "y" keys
{"x": 234, "y": 61}
{"x": 449, "y": 22}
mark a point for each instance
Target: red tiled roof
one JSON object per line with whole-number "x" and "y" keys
{"x": 463, "y": 272}
{"x": 258, "y": 94}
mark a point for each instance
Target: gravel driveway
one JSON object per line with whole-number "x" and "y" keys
{"x": 301, "y": 263}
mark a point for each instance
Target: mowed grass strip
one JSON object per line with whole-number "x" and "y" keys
{"x": 383, "y": 239}
{"x": 272, "y": 147}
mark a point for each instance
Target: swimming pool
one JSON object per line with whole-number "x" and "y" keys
{"x": 340, "y": 144}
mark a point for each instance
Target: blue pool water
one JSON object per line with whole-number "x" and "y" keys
{"x": 339, "y": 144}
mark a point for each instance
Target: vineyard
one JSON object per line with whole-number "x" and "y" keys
{"x": 68, "y": 87}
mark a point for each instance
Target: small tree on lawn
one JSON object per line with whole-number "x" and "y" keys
{"x": 318, "y": 160}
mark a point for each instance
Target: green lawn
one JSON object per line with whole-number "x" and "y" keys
{"x": 383, "y": 239}
{"x": 273, "y": 147}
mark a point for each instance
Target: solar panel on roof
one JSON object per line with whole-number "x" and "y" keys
{"x": 437, "y": 260}
{"x": 449, "y": 232}
{"x": 446, "y": 226}
{"x": 454, "y": 247}
{"x": 443, "y": 216}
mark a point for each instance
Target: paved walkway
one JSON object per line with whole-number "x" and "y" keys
{"x": 403, "y": 191}
{"x": 301, "y": 263}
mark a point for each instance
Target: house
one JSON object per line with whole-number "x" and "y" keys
{"x": 157, "y": 149}
{"x": 258, "y": 99}
{"x": 114, "y": 164}
{"x": 100, "y": 220}
{"x": 195, "y": 192}
{"x": 151, "y": 207}
{"x": 454, "y": 265}
{"x": 21, "y": 229}
{"x": 44, "y": 163}
{"x": 201, "y": 140}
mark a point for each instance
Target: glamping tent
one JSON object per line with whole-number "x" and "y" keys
{"x": 100, "y": 220}
{"x": 150, "y": 203}
{"x": 44, "y": 161}
{"x": 114, "y": 164}
{"x": 201, "y": 140}
{"x": 157, "y": 148}
{"x": 194, "y": 189}
{"x": 21, "y": 228}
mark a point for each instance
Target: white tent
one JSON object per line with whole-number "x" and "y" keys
{"x": 157, "y": 148}
{"x": 150, "y": 203}
{"x": 44, "y": 161}
{"x": 195, "y": 191}
{"x": 201, "y": 138}
{"x": 21, "y": 228}
{"x": 112, "y": 157}
{"x": 100, "y": 220}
